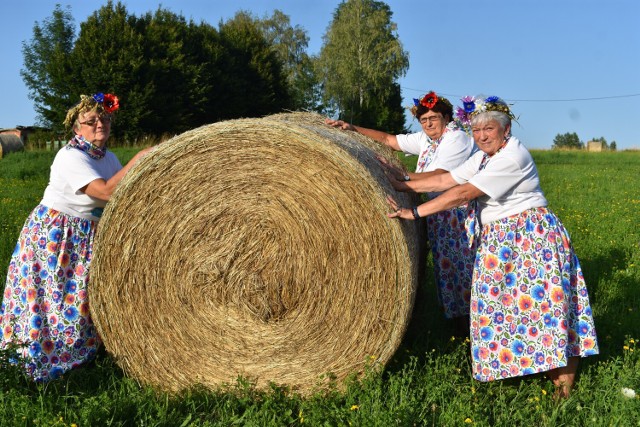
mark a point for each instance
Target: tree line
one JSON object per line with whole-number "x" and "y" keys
{"x": 172, "y": 75}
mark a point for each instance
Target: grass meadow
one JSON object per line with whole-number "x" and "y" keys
{"x": 428, "y": 382}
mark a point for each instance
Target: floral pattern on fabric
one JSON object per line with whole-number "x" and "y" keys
{"x": 530, "y": 308}
{"x": 452, "y": 260}
{"x": 45, "y": 310}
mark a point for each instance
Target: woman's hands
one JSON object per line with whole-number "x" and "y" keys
{"x": 398, "y": 211}
{"x": 396, "y": 176}
{"x": 339, "y": 124}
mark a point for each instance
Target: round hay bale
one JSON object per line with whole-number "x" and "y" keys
{"x": 9, "y": 144}
{"x": 257, "y": 248}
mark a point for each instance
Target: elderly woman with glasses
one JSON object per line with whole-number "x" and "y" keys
{"x": 530, "y": 309}
{"x": 45, "y": 309}
{"x": 441, "y": 146}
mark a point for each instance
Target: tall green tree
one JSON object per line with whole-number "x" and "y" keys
{"x": 360, "y": 62}
{"x": 206, "y": 58}
{"x": 169, "y": 72}
{"x": 255, "y": 82}
{"x": 47, "y": 67}
{"x": 567, "y": 140}
{"x": 290, "y": 44}
{"x": 109, "y": 56}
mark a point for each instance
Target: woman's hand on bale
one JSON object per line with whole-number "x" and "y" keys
{"x": 391, "y": 170}
{"x": 395, "y": 175}
{"x": 339, "y": 124}
{"x": 398, "y": 211}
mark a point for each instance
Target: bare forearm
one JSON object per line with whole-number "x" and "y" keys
{"x": 447, "y": 200}
{"x": 456, "y": 196}
{"x": 426, "y": 184}
{"x": 414, "y": 176}
{"x": 103, "y": 189}
{"x": 382, "y": 137}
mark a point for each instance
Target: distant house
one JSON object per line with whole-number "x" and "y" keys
{"x": 16, "y": 139}
{"x": 594, "y": 146}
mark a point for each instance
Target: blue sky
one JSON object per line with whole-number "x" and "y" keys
{"x": 565, "y": 65}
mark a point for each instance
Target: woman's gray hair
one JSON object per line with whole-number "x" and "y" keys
{"x": 487, "y": 116}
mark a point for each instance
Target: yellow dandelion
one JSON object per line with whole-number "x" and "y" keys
{"x": 354, "y": 407}
{"x": 626, "y": 347}
{"x": 468, "y": 421}
{"x": 544, "y": 392}
{"x": 632, "y": 341}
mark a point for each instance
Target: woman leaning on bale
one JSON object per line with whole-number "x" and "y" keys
{"x": 45, "y": 309}
{"x": 530, "y": 309}
{"x": 441, "y": 145}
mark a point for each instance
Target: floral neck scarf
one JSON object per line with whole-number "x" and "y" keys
{"x": 426, "y": 157}
{"x": 82, "y": 144}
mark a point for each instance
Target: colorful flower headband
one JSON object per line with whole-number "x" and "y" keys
{"x": 100, "y": 102}
{"x": 429, "y": 101}
{"x": 473, "y": 106}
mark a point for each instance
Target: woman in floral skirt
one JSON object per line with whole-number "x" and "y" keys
{"x": 530, "y": 309}
{"x": 45, "y": 310}
{"x": 441, "y": 145}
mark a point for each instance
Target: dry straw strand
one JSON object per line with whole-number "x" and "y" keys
{"x": 256, "y": 248}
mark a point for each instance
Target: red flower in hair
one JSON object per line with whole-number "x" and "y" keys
{"x": 110, "y": 103}
{"x": 429, "y": 100}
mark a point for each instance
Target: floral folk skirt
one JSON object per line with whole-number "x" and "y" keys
{"x": 45, "y": 310}
{"x": 453, "y": 260}
{"x": 530, "y": 309}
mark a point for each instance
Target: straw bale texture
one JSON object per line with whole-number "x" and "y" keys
{"x": 256, "y": 248}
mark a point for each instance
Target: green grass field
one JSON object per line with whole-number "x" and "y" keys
{"x": 428, "y": 383}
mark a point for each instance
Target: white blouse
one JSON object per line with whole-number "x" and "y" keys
{"x": 509, "y": 180}
{"x": 71, "y": 170}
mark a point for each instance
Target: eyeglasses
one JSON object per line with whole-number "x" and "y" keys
{"x": 92, "y": 122}
{"x": 432, "y": 119}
